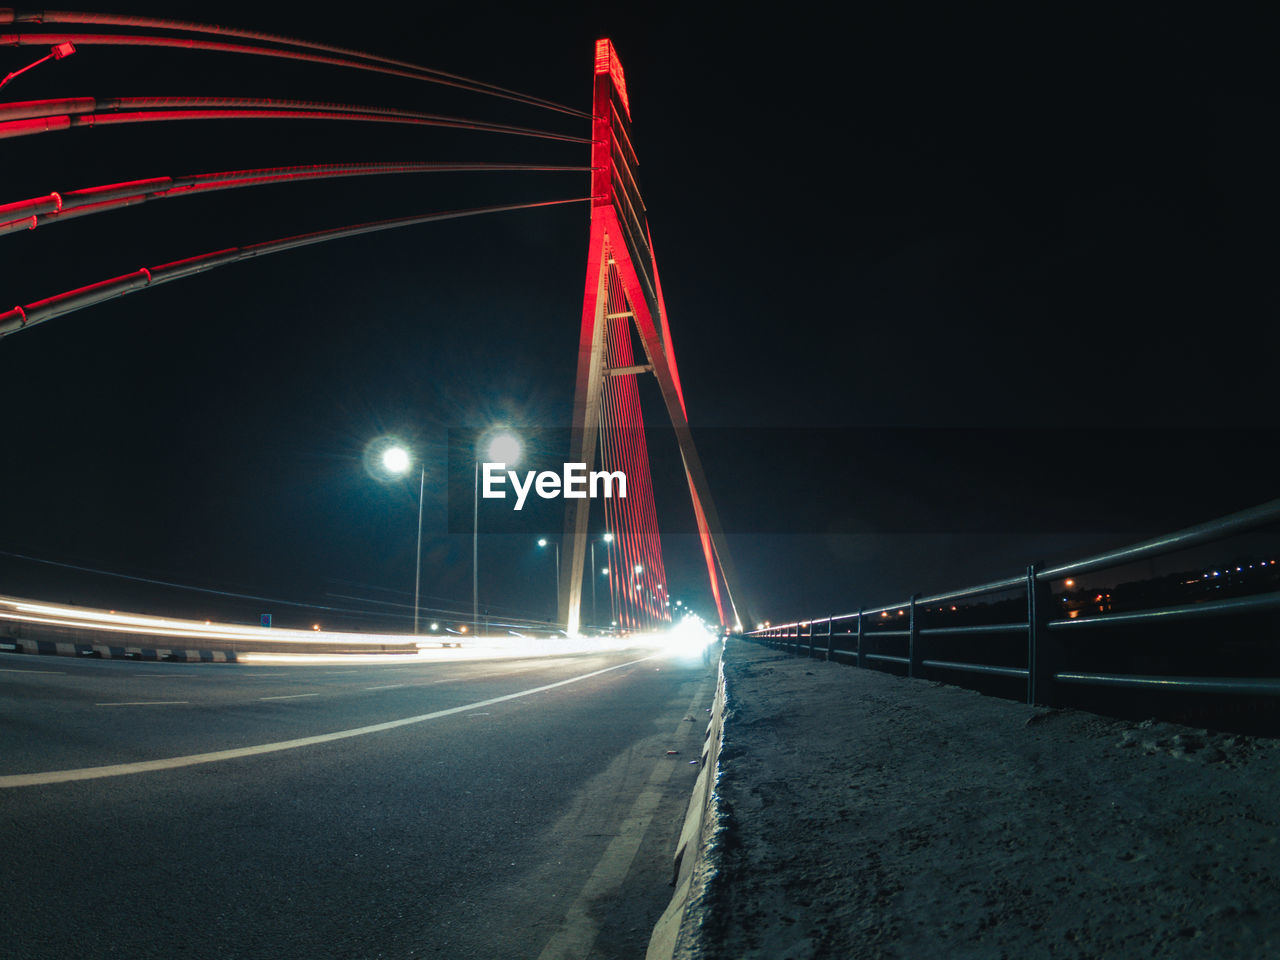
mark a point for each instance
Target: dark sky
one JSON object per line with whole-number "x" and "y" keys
{"x": 1051, "y": 228}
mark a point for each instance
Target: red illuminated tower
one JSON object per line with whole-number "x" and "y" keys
{"x": 622, "y": 288}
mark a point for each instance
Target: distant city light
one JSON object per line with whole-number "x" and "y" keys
{"x": 1069, "y": 582}
{"x": 542, "y": 541}
{"x": 435, "y": 626}
{"x": 608, "y": 537}
{"x": 604, "y": 571}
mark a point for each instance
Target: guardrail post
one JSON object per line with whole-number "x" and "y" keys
{"x": 862, "y": 653}
{"x": 831, "y": 632}
{"x": 1044, "y": 651}
{"x": 813, "y": 626}
{"x": 915, "y": 652}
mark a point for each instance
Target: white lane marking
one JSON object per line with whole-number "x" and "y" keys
{"x": 170, "y": 763}
{"x": 388, "y": 686}
{"x": 292, "y": 696}
{"x": 141, "y": 703}
{"x": 22, "y": 670}
{"x": 173, "y": 676}
{"x": 578, "y": 934}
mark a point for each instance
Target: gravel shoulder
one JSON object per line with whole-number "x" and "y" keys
{"x": 866, "y": 815}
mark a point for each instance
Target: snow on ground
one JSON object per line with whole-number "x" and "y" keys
{"x": 870, "y": 816}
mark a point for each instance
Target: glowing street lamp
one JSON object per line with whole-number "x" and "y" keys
{"x": 504, "y": 448}
{"x": 396, "y": 461}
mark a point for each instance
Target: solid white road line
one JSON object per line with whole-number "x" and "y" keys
{"x": 171, "y": 763}
{"x": 576, "y": 937}
{"x": 173, "y": 676}
{"x": 388, "y": 686}
{"x": 141, "y": 703}
{"x": 21, "y": 670}
{"x": 292, "y": 696}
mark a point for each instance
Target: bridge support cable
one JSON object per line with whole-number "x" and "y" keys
{"x": 57, "y": 206}
{"x": 30, "y": 117}
{"x": 642, "y": 579}
{"x": 28, "y": 315}
{"x": 620, "y": 246}
{"x": 283, "y": 48}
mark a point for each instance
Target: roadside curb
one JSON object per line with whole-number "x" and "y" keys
{"x": 675, "y": 932}
{"x": 107, "y": 652}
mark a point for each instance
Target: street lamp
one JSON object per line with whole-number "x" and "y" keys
{"x": 503, "y": 448}
{"x": 607, "y": 538}
{"x": 396, "y": 460}
{"x": 542, "y": 542}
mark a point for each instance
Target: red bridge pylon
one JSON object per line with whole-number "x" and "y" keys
{"x": 622, "y": 290}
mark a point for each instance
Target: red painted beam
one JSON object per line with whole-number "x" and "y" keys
{"x": 9, "y": 16}
{"x": 54, "y": 207}
{"x": 305, "y": 56}
{"x": 30, "y": 314}
{"x": 41, "y": 116}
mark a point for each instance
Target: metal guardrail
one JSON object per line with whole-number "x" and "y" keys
{"x": 1044, "y": 671}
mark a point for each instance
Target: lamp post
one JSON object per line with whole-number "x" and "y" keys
{"x": 607, "y": 538}
{"x": 504, "y": 448}
{"x": 542, "y": 542}
{"x": 397, "y": 460}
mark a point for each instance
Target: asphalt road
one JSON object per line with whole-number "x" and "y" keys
{"x": 440, "y": 808}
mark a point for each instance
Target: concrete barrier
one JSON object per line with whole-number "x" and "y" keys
{"x": 105, "y": 651}
{"x": 670, "y": 937}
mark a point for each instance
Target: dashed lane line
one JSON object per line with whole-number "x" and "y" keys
{"x": 577, "y": 935}
{"x": 171, "y": 763}
{"x": 291, "y": 696}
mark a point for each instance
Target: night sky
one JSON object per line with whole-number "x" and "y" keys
{"x": 950, "y": 292}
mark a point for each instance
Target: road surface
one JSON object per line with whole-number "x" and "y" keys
{"x": 500, "y": 808}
